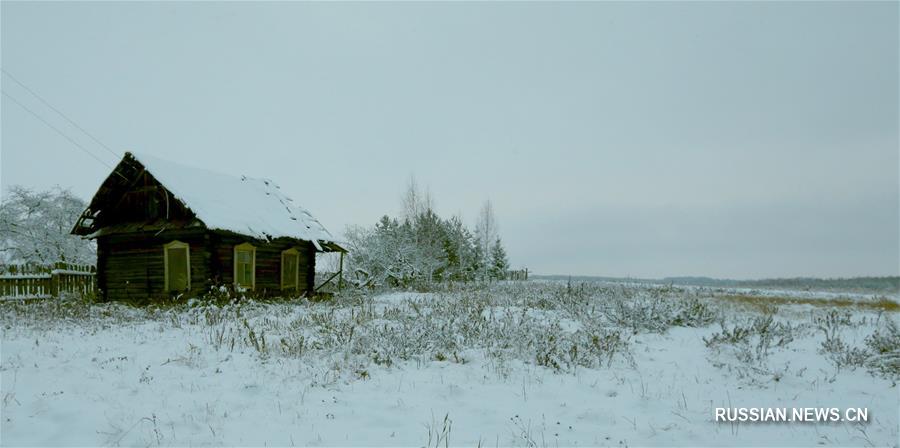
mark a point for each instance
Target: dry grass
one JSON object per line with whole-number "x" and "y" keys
{"x": 761, "y": 303}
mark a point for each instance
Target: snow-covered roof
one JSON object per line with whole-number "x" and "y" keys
{"x": 249, "y": 206}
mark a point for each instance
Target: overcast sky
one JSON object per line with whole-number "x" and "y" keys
{"x": 738, "y": 140}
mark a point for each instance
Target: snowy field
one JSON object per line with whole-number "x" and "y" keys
{"x": 519, "y": 364}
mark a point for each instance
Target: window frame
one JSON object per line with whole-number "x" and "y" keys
{"x": 291, "y": 251}
{"x": 242, "y": 248}
{"x": 175, "y": 244}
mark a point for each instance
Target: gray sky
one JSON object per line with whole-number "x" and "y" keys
{"x": 735, "y": 140}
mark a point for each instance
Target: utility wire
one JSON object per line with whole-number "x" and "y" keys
{"x": 63, "y": 134}
{"x": 72, "y": 122}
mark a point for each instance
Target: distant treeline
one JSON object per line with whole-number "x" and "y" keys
{"x": 884, "y": 285}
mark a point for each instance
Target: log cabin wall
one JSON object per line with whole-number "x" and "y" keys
{"x": 268, "y": 262}
{"x": 131, "y": 266}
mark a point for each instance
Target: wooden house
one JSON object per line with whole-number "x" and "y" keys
{"x": 164, "y": 229}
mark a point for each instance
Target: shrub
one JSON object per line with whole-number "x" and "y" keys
{"x": 752, "y": 339}
{"x": 657, "y": 313}
{"x": 884, "y": 347}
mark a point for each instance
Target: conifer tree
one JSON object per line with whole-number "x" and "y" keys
{"x": 499, "y": 261}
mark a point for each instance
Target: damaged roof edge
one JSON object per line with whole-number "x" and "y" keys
{"x": 264, "y": 211}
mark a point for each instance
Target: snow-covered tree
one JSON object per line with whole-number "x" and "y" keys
{"x": 420, "y": 247}
{"x": 35, "y": 225}
{"x": 499, "y": 262}
{"x": 477, "y": 265}
{"x": 485, "y": 234}
{"x": 382, "y": 254}
{"x": 459, "y": 250}
{"x": 395, "y": 250}
{"x": 430, "y": 258}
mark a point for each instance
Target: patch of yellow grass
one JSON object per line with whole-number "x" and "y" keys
{"x": 761, "y": 302}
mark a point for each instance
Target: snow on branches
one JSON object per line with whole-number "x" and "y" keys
{"x": 35, "y": 225}
{"x": 422, "y": 247}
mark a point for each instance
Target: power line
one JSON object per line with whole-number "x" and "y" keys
{"x": 63, "y": 134}
{"x": 72, "y": 122}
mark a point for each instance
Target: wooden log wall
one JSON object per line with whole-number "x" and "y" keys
{"x": 131, "y": 266}
{"x": 268, "y": 262}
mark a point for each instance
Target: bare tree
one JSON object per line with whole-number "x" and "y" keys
{"x": 486, "y": 232}
{"x": 415, "y": 201}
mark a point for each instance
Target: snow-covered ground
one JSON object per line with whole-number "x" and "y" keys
{"x": 537, "y": 364}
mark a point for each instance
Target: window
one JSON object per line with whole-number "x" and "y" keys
{"x": 245, "y": 265}
{"x": 177, "y": 261}
{"x": 290, "y": 269}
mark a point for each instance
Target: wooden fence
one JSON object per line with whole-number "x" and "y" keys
{"x": 520, "y": 274}
{"x": 36, "y": 281}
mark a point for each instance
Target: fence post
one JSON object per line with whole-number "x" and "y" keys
{"x": 54, "y": 280}
{"x": 341, "y": 273}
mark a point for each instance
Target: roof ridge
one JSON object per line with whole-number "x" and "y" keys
{"x": 247, "y": 205}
